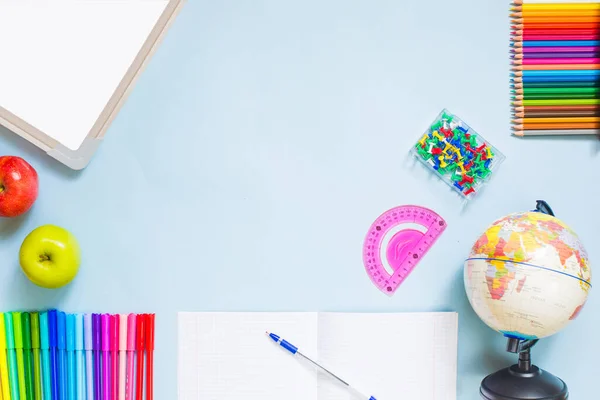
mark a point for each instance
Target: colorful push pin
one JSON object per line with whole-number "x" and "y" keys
{"x": 443, "y": 163}
{"x": 422, "y": 141}
{"x": 469, "y": 191}
{"x": 437, "y": 135}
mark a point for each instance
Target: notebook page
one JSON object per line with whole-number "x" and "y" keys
{"x": 389, "y": 356}
{"x": 227, "y": 356}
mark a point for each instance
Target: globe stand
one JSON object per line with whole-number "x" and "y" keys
{"x": 523, "y": 381}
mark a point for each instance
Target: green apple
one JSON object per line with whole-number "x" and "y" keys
{"x": 50, "y": 256}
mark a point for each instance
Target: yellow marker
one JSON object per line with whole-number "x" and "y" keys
{"x": 3, "y": 364}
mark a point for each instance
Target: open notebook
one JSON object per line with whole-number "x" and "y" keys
{"x": 227, "y": 356}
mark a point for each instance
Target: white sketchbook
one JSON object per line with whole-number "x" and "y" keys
{"x": 68, "y": 65}
{"x": 227, "y": 356}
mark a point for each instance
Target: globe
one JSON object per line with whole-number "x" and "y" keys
{"x": 528, "y": 275}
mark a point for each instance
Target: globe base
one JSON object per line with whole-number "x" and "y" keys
{"x": 513, "y": 383}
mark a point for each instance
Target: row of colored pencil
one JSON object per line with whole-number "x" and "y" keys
{"x": 51, "y": 355}
{"x": 555, "y": 68}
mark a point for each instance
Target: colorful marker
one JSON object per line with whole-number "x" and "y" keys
{"x": 89, "y": 359}
{"x": 18, "y": 333}
{"x": 35, "y": 348}
{"x": 52, "y": 335}
{"x": 27, "y": 361}
{"x": 131, "y": 340}
{"x": 140, "y": 346}
{"x": 122, "y": 354}
{"x": 12, "y": 357}
{"x": 79, "y": 357}
{"x": 45, "y": 350}
{"x": 150, "y": 356}
{"x": 114, "y": 357}
{"x": 3, "y": 362}
{"x": 97, "y": 347}
{"x": 105, "y": 357}
{"x": 61, "y": 336}
{"x": 71, "y": 367}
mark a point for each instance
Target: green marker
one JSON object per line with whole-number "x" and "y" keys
{"x": 35, "y": 346}
{"x": 27, "y": 361}
{"x": 17, "y": 325}
{"x": 12, "y": 360}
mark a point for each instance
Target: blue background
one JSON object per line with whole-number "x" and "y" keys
{"x": 261, "y": 142}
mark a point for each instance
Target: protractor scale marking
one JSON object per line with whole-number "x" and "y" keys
{"x": 397, "y": 241}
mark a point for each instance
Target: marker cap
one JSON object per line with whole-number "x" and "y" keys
{"x": 10, "y": 333}
{"x": 114, "y": 332}
{"x": 2, "y": 333}
{"x": 52, "y": 329}
{"x": 150, "y": 331}
{"x": 122, "y": 332}
{"x": 87, "y": 331}
{"x": 140, "y": 343}
{"x": 44, "y": 333}
{"x": 71, "y": 332}
{"x": 97, "y": 332}
{"x": 61, "y": 331}
{"x": 78, "y": 331}
{"x": 35, "y": 330}
{"x": 131, "y": 331}
{"x": 16, "y": 317}
{"x": 105, "y": 332}
{"x": 26, "y": 326}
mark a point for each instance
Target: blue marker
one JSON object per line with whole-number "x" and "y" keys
{"x": 61, "y": 335}
{"x": 52, "y": 332}
{"x": 294, "y": 350}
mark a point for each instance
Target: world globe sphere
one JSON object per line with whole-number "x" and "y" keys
{"x": 528, "y": 275}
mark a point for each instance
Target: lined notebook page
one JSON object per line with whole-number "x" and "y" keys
{"x": 389, "y": 356}
{"x": 226, "y": 356}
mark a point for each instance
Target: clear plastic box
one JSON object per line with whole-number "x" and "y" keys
{"x": 457, "y": 154}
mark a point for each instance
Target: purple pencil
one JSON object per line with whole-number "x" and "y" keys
{"x": 566, "y": 49}
{"x": 556, "y": 55}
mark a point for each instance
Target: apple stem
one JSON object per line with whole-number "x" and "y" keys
{"x": 1, "y": 187}
{"x": 44, "y": 257}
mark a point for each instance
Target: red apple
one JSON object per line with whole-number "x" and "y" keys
{"x": 18, "y": 186}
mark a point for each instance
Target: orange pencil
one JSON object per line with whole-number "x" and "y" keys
{"x": 551, "y": 120}
{"x": 520, "y": 127}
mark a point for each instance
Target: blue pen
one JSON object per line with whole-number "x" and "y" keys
{"x": 71, "y": 370}
{"x": 61, "y": 345}
{"x": 294, "y": 350}
{"x": 79, "y": 357}
{"x": 44, "y": 349}
{"x": 52, "y": 334}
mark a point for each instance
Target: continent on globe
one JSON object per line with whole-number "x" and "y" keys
{"x": 528, "y": 275}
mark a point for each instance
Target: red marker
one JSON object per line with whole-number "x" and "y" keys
{"x": 149, "y": 356}
{"x": 140, "y": 346}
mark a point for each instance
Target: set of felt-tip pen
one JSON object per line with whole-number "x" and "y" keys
{"x": 52, "y": 355}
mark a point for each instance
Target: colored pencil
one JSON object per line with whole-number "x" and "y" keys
{"x": 555, "y": 84}
{"x": 556, "y": 61}
{"x": 557, "y": 120}
{"x": 573, "y": 31}
{"x": 563, "y": 90}
{"x": 554, "y": 96}
{"x": 535, "y": 132}
{"x": 561, "y": 5}
{"x": 535, "y": 37}
{"x": 556, "y": 25}
{"x": 556, "y": 67}
{"x": 557, "y": 20}
{"x": 557, "y": 108}
{"x": 556, "y": 49}
{"x": 557, "y": 43}
{"x": 548, "y": 114}
{"x": 558, "y": 14}
{"x": 557, "y": 102}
